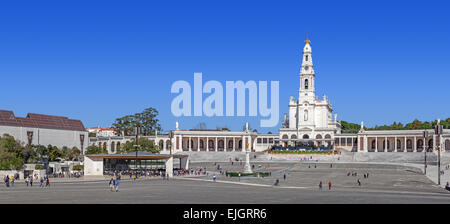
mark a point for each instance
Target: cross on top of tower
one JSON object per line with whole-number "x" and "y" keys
{"x": 307, "y": 40}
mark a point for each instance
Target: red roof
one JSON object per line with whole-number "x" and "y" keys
{"x": 7, "y": 118}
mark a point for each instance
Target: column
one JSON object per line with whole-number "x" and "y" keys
{"x": 385, "y": 144}
{"x": 215, "y": 145}
{"x": 415, "y": 144}
{"x": 234, "y": 144}
{"x": 225, "y": 144}
{"x": 198, "y": 144}
{"x": 405, "y": 149}
{"x": 434, "y": 142}
{"x": 243, "y": 144}
{"x": 189, "y": 145}
{"x": 207, "y": 144}
{"x": 395, "y": 143}
{"x": 376, "y": 144}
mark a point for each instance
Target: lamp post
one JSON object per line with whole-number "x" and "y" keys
{"x": 438, "y": 131}
{"x": 425, "y": 135}
{"x": 137, "y": 145}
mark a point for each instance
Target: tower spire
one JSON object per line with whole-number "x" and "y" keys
{"x": 307, "y": 40}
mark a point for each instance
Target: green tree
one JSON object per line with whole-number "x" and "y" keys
{"x": 55, "y": 153}
{"x": 144, "y": 145}
{"x": 146, "y": 120}
{"x": 95, "y": 150}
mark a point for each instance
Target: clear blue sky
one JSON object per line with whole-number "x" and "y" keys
{"x": 378, "y": 61}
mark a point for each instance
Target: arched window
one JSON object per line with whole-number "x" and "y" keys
{"x": 327, "y": 136}
{"x": 305, "y": 136}
{"x": 373, "y": 144}
{"x": 294, "y": 137}
{"x": 285, "y": 137}
{"x": 306, "y": 58}
{"x": 306, "y": 115}
{"x": 318, "y": 136}
{"x": 447, "y": 144}
{"x": 113, "y": 147}
{"x": 161, "y": 145}
{"x": 409, "y": 144}
{"x": 306, "y": 83}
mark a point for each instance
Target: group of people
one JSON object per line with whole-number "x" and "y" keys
{"x": 114, "y": 183}
{"x": 10, "y": 181}
{"x": 329, "y": 185}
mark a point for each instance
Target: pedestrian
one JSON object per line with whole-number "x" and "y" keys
{"x": 111, "y": 184}
{"x": 117, "y": 184}
{"x": 214, "y": 178}
{"x": 364, "y": 176}
{"x": 27, "y": 180}
{"x": 277, "y": 182}
{"x": 31, "y": 182}
{"x": 42, "y": 182}
{"x": 7, "y": 181}
{"x": 11, "y": 180}
{"x": 359, "y": 182}
{"x": 320, "y": 185}
{"x": 284, "y": 177}
{"x": 329, "y": 185}
{"x": 47, "y": 182}
{"x": 447, "y": 186}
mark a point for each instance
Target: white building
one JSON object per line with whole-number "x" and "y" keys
{"x": 39, "y": 129}
{"x": 102, "y": 132}
{"x": 309, "y": 118}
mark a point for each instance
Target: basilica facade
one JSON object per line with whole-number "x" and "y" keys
{"x": 310, "y": 119}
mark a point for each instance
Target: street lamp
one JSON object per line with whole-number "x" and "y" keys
{"x": 425, "y": 135}
{"x": 438, "y": 131}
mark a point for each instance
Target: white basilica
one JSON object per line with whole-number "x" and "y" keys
{"x": 309, "y": 118}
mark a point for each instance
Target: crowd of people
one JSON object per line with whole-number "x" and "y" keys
{"x": 10, "y": 181}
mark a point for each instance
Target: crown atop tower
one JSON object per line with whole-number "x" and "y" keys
{"x": 307, "y": 40}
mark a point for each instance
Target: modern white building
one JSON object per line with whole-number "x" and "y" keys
{"x": 39, "y": 129}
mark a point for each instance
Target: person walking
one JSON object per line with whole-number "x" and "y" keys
{"x": 31, "y": 182}
{"x": 320, "y": 185}
{"x": 47, "y": 182}
{"x": 329, "y": 185}
{"x": 111, "y": 184}
{"x": 284, "y": 177}
{"x": 117, "y": 184}
{"x": 359, "y": 183}
{"x": 7, "y": 181}
{"x": 27, "y": 180}
{"x": 214, "y": 178}
{"x": 42, "y": 182}
{"x": 11, "y": 180}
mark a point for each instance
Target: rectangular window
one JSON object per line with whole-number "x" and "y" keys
{"x": 258, "y": 140}
{"x": 265, "y": 140}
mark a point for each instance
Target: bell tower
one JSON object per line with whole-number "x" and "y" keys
{"x": 307, "y": 91}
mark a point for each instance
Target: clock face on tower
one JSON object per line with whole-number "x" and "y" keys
{"x": 306, "y": 68}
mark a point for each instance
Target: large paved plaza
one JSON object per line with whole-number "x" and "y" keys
{"x": 386, "y": 184}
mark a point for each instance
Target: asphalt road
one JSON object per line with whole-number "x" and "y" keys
{"x": 386, "y": 184}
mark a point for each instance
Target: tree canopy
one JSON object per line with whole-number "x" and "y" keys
{"x": 146, "y": 120}
{"x": 348, "y": 127}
